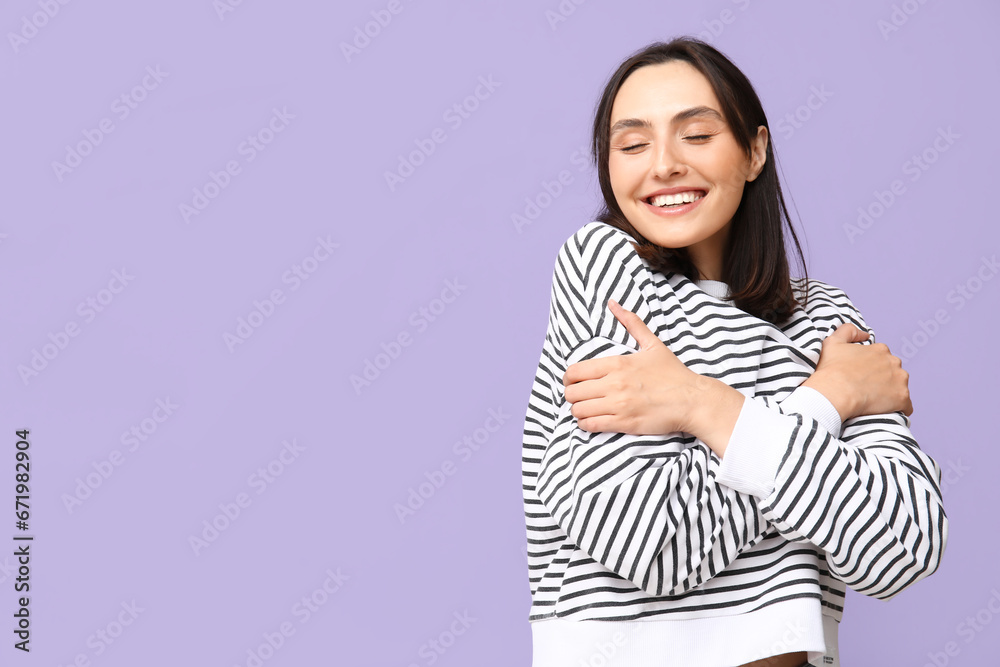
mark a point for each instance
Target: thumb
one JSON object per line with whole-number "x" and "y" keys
{"x": 634, "y": 325}
{"x": 848, "y": 333}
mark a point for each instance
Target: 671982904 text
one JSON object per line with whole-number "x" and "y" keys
{"x": 22, "y": 543}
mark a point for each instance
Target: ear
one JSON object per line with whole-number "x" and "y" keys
{"x": 759, "y": 153}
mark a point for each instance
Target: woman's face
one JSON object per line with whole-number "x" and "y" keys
{"x": 668, "y": 136}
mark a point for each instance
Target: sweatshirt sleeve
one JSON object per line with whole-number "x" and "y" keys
{"x": 751, "y": 463}
{"x": 865, "y": 493}
{"x": 646, "y": 507}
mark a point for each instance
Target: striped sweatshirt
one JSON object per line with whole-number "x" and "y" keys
{"x": 627, "y": 527}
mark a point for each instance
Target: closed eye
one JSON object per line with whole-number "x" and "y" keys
{"x": 696, "y": 137}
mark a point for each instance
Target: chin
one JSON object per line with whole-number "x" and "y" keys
{"x": 674, "y": 238}
{"x": 672, "y": 243}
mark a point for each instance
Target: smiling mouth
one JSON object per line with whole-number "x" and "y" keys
{"x": 677, "y": 200}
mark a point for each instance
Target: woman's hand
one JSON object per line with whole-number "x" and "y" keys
{"x": 645, "y": 393}
{"x": 650, "y": 392}
{"x": 860, "y": 379}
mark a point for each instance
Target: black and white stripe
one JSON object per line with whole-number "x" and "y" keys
{"x": 621, "y": 527}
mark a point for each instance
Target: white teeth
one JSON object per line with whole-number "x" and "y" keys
{"x": 679, "y": 198}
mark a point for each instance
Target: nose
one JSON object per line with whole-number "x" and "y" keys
{"x": 666, "y": 161}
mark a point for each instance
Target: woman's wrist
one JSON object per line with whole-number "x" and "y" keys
{"x": 713, "y": 413}
{"x": 841, "y": 397}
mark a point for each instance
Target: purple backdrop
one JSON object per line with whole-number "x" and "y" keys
{"x": 270, "y": 268}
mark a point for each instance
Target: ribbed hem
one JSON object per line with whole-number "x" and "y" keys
{"x": 759, "y": 440}
{"x": 722, "y": 641}
{"x": 808, "y": 402}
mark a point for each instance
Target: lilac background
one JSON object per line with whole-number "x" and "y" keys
{"x": 333, "y": 506}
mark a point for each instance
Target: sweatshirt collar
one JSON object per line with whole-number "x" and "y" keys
{"x": 716, "y": 288}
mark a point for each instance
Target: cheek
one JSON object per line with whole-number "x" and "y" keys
{"x": 622, "y": 177}
{"x": 615, "y": 176}
{"x": 734, "y": 166}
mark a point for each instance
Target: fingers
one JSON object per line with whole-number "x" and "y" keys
{"x": 847, "y": 333}
{"x": 860, "y": 335}
{"x": 634, "y": 325}
{"x": 843, "y": 333}
{"x": 592, "y": 412}
{"x": 908, "y": 403}
{"x": 592, "y": 424}
{"x": 905, "y": 405}
{"x": 585, "y": 391}
{"x": 596, "y": 368}
{"x": 608, "y": 424}
{"x": 588, "y": 369}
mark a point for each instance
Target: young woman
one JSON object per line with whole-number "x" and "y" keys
{"x": 707, "y": 465}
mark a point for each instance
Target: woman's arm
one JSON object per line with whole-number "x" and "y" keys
{"x": 860, "y": 379}
{"x": 646, "y": 507}
{"x": 870, "y": 498}
{"x": 637, "y": 393}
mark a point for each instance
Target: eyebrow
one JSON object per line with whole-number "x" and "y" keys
{"x": 693, "y": 112}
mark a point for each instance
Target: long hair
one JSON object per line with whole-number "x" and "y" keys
{"x": 755, "y": 265}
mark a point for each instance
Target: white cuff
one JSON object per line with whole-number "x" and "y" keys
{"x": 808, "y": 402}
{"x": 759, "y": 441}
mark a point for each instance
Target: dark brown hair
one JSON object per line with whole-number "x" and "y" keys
{"x": 755, "y": 265}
